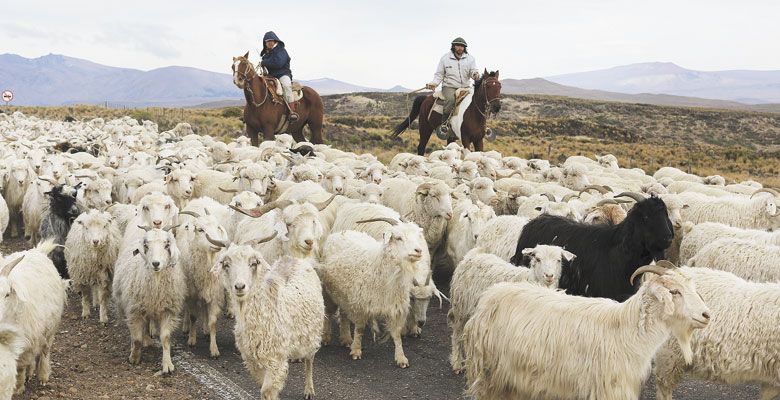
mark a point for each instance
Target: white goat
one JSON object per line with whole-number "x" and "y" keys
{"x": 369, "y": 279}
{"x": 514, "y": 320}
{"x": 149, "y": 287}
{"x": 91, "y": 250}
{"x": 478, "y": 271}
{"x": 280, "y": 315}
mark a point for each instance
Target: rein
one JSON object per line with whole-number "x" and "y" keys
{"x": 486, "y": 113}
{"x": 248, "y": 87}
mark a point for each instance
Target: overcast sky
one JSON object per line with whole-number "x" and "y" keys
{"x": 383, "y": 43}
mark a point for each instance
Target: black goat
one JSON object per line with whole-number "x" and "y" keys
{"x": 56, "y": 222}
{"x": 607, "y": 255}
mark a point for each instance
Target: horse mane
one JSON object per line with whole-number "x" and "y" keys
{"x": 478, "y": 82}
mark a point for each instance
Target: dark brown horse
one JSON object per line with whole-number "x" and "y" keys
{"x": 486, "y": 100}
{"x": 265, "y": 112}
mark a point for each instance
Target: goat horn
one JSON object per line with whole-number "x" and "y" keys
{"x": 10, "y": 266}
{"x": 228, "y": 190}
{"x": 145, "y": 228}
{"x": 381, "y": 219}
{"x": 765, "y": 190}
{"x": 606, "y": 201}
{"x": 259, "y": 211}
{"x": 597, "y": 188}
{"x": 636, "y": 196}
{"x": 215, "y": 242}
{"x": 428, "y": 278}
{"x": 656, "y": 269}
{"x": 569, "y": 196}
{"x": 47, "y": 179}
{"x": 263, "y": 153}
{"x": 192, "y": 213}
{"x": 171, "y": 227}
{"x": 321, "y": 206}
{"x": 83, "y": 176}
{"x": 666, "y": 264}
{"x": 607, "y": 188}
{"x": 265, "y": 239}
{"x": 549, "y": 197}
{"x": 415, "y": 282}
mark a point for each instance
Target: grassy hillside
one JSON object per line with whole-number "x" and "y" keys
{"x": 736, "y": 144}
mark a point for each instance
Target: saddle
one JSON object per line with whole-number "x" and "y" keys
{"x": 460, "y": 94}
{"x": 278, "y": 93}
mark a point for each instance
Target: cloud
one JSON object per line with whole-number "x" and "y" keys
{"x": 155, "y": 39}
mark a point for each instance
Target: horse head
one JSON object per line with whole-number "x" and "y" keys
{"x": 242, "y": 70}
{"x": 491, "y": 86}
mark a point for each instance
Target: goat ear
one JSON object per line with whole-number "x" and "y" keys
{"x": 20, "y": 291}
{"x": 528, "y": 251}
{"x": 664, "y": 297}
{"x": 539, "y": 208}
{"x": 216, "y": 269}
{"x": 281, "y": 230}
{"x": 386, "y": 236}
{"x": 771, "y": 208}
{"x": 568, "y": 256}
{"x": 136, "y": 252}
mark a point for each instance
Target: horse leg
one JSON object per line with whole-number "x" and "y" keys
{"x": 315, "y": 125}
{"x": 252, "y": 133}
{"x": 425, "y": 135}
{"x": 478, "y": 145}
{"x": 465, "y": 140}
{"x": 297, "y": 134}
{"x": 268, "y": 131}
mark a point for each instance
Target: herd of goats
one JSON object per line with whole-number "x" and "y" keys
{"x": 565, "y": 279}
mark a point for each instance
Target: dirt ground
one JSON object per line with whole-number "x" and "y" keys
{"x": 90, "y": 362}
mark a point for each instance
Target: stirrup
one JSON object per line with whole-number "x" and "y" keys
{"x": 441, "y": 132}
{"x": 490, "y": 135}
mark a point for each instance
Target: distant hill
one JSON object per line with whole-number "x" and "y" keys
{"x": 59, "y": 80}
{"x": 543, "y": 86}
{"x": 744, "y": 86}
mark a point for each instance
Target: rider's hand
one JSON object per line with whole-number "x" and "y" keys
{"x": 431, "y": 86}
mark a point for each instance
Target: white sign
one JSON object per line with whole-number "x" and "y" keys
{"x": 8, "y": 96}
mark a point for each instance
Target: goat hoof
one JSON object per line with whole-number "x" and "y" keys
{"x": 356, "y": 354}
{"x": 167, "y": 368}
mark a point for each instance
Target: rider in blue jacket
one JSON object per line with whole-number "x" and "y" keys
{"x": 277, "y": 62}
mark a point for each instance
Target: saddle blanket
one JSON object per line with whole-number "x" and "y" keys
{"x": 462, "y": 100}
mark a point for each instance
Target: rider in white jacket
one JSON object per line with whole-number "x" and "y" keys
{"x": 456, "y": 70}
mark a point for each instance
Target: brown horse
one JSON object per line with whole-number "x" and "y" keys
{"x": 265, "y": 112}
{"x": 486, "y": 100}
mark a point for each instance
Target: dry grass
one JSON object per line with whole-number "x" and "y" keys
{"x": 737, "y": 145}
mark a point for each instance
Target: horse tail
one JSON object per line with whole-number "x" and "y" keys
{"x": 412, "y": 115}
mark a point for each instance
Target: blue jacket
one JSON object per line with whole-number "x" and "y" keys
{"x": 276, "y": 60}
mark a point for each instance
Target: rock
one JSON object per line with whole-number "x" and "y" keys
{"x": 72, "y": 390}
{"x": 150, "y": 387}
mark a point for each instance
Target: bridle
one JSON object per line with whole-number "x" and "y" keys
{"x": 247, "y": 83}
{"x": 488, "y": 102}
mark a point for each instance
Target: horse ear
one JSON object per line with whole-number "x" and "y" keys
{"x": 496, "y": 74}
{"x": 246, "y": 55}
{"x": 485, "y": 73}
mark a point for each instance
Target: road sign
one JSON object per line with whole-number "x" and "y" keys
{"x": 8, "y": 96}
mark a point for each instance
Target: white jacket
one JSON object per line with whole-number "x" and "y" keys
{"x": 454, "y": 72}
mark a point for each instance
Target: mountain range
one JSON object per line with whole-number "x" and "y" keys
{"x": 60, "y": 80}
{"x": 744, "y": 86}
